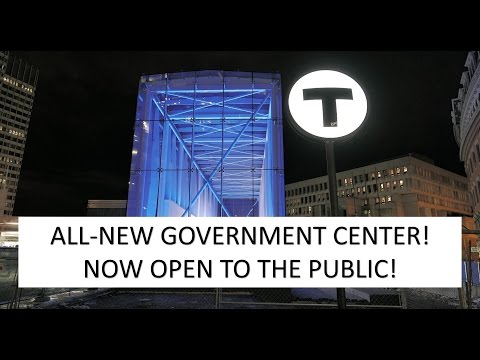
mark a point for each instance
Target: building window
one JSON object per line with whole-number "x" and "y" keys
{"x": 379, "y": 174}
{"x": 373, "y": 176}
{"x": 364, "y": 189}
{"x": 350, "y": 181}
{"x": 343, "y": 193}
{"x": 384, "y": 173}
{"x": 405, "y": 169}
{"x": 383, "y": 199}
{"x": 360, "y": 177}
{"x": 388, "y": 185}
{"x": 382, "y": 187}
{"x": 369, "y": 189}
{"x": 392, "y": 172}
{"x": 365, "y": 202}
{"x": 394, "y": 185}
{"x": 389, "y": 198}
{"x": 398, "y": 171}
{"x": 401, "y": 183}
{"x": 340, "y": 183}
{"x": 377, "y": 201}
{"x": 375, "y": 188}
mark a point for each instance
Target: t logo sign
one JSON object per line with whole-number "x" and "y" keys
{"x": 328, "y": 97}
{"x": 327, "y": 104}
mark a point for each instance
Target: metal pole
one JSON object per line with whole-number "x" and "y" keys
{"x": 461, "y": 298}
{"x": 218, "y": 297}
{"x": 332, "y": 186}
{"x": 469, "y": 275}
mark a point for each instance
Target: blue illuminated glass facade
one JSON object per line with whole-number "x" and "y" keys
{"x": 208, "y": 143}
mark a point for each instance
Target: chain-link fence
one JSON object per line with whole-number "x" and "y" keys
{"x": 245, "y": 298}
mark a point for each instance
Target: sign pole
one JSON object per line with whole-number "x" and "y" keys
{"x": 328, "y": 86}
{"x": 332, "y": 186}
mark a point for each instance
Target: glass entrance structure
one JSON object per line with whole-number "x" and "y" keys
{"x": 208, "y": 143}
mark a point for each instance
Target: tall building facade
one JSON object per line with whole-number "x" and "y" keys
{"x": 405, "y": 186}
{"x": 3, "y": 62}
{"x": 17, "y": 91}
{"x": 208, "y": 143}
{"x": 466, "y": 126}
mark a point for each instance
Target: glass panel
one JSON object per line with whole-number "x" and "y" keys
{"x": 208, "y": 143}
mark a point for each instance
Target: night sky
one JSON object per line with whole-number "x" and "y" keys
{"x": 80, "y": 136}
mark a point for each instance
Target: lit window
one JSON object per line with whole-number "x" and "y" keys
{"x": 383, "y": 199}
{"x": 379, "y": 174}
{"x": 405, "y": 169}
{"x": 381, "y": 187}
{"x": 377, "y": 200}
{"x": 401, "y": 183}
{"x": 388, "y": 185}
{"x": 365, "y": 202}
{"x": 389, "y": 198}
{"x": 364, "y": 189}
{"x": 398, "y": 170}
{"x": 350, "y": 181}
{"x": 394, "y": 184}
{"x": 392, "y": 172}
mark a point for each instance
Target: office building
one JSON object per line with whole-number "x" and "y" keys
{"x": 8, "y": 231}
{"x": 107, "y": 208}
{"x": 406, "y": 186}
{"x": 17, "y": 91}
{"x": 466, "y": 126}
{"x": 208, "y": 143}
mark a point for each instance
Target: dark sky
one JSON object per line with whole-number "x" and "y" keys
{"x": 80, "y": 136}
